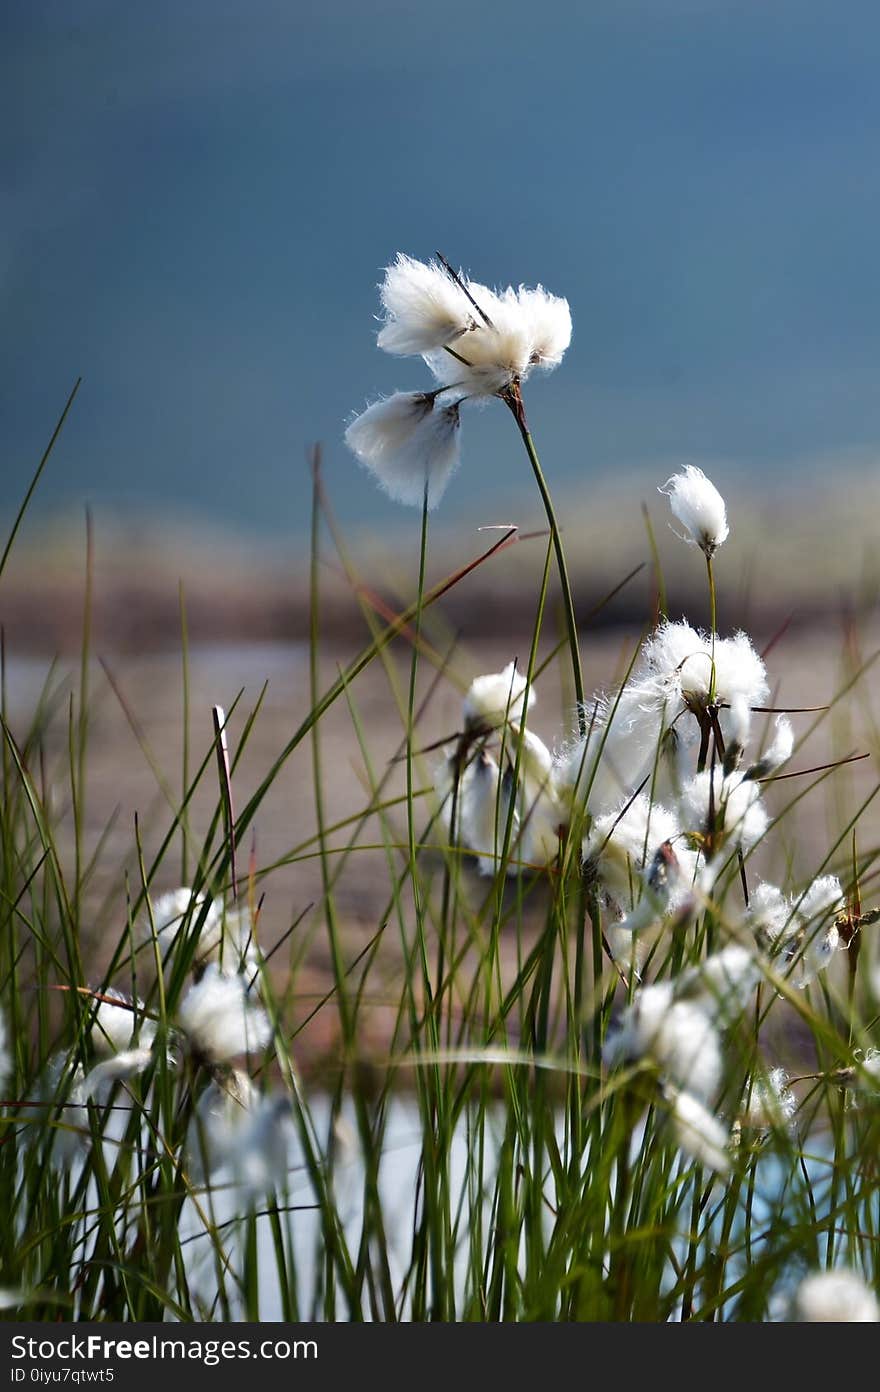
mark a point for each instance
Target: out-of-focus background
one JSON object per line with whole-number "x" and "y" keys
{"x": 198, "y": 201}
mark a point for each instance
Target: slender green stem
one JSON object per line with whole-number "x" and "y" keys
{"x": 713, "y": 622}
{"x": 513, "y": 398}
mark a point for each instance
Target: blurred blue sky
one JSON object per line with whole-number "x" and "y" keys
{"x": 198, "y": 197}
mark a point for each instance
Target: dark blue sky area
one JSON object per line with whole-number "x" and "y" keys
{"x": 199, "y": 195}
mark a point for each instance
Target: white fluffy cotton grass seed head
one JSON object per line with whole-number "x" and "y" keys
{"x": 835, "y": 1297}
{"x": 699, "y": 507}
{"x": 222, "y": 1018}
{"x": 496, "y": 698}
{"x": 698, "y": 1132}
{"x": 478, "y": 343}
{"x": 409, "y": 442}
{"x": 424, "y": 308}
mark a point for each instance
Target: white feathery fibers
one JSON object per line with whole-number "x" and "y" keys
{"x": 739, "y": 813}
{"x": 821, "y": 938}
{"x": 539, "y": 810}
{"x": 221, "y": 1018}
{"x": 824, "y": 897}
{"x": 779, "y": 750}
{"x": 771, "y": 916}
{"x": 172, "y": 914}
{"x": 548, "y": 322}
{"x": 485, "y": 799}
{"x": 699, "y": 507}
{"x": 496, "y": 337}
{"x": 739, "y": 726}
{"x": 622, "y": 843}
{"x": 115, "y": 1027}
{"x": 647, "y": 730}
{"x": 409, "y": 443}
{"x": 768, "y": 1102}
{"x": 126, "y": 1064}
{"x": 236, "y": 1127}
{"x": 677, "y": 660}
{"x": 225, "y": 935}
{"x": 677, "y": 1036}
{"x": 497, "y": 697}
{"x": 832, "y": 1297}
{"x": 222, "y": 1110}
{"x": 424, "y": 308}
{"x": 64, "y": 1088}
{"x": 528, "y": 328}
{"x": 489, "y": 359}
{"x": 723, "y": 984}
{"x": 819, "y": 947}
{"x": 740, "y": 673}
{"x": 698, "y": 1132}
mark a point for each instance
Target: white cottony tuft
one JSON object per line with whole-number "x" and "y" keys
{"x": 676, "y": 1036}
{"x": 699, "y": 507}
{"x": 779, "y": 750}
{"x": 824, "y": 897}
{"x": 116, "y": 1026}
{"x": 63, "y": 1087}
{"x": 225, "y": 935}
{"x": 236, "y": 1127}
{"x": 424, "y": 308}
{"x": 623, "y": 843}
{"x": 723, "y": 984}
{"x": 485, "y": 809}
{"x": 497, "y": 697}
{"x": 173, "y": 914}
{"x": 410, "y": 444}
{"x": 222, "y": 1019}
{"x": 728, "y": 809}
{"x": 548, "y": 323}
{"x": 697, "y": 1132}
{"x": 768, "y": 1103}
{"x": 477, "y": 342}
{"x": 816, "y": 909}
{"x": 771, "y": 916}
{"x": 831, "y": 1297}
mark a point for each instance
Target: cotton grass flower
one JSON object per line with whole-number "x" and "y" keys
{"x": 768, "y": 1102}
{"x": 477, "y": 342}
{"x": 225, "y": 935}
{"x": 699, "y": 507}
{"x": 652, "y": 728}
{"x": 238, "y": 1129}
{"x": 221, "y": 1019}
{"x": 123, "y": 1040}
{"x": 698, "y": 1132}
{"x": 118, "y": 1022}
{"x": 410, "y": 444}
{"x": 424, "y": 308}
{"x": 835, "y": 1297}
{"x": 497, "y": 697}
{"x": 677, "y": 1037}
{"x": 622, "y": 843}
{"x": 723, "y": 984}
{"x": 486, "y": 798}
{"x": 63, "y": 1091}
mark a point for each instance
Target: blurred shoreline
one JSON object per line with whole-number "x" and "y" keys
{"x": 795, "y": 554}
